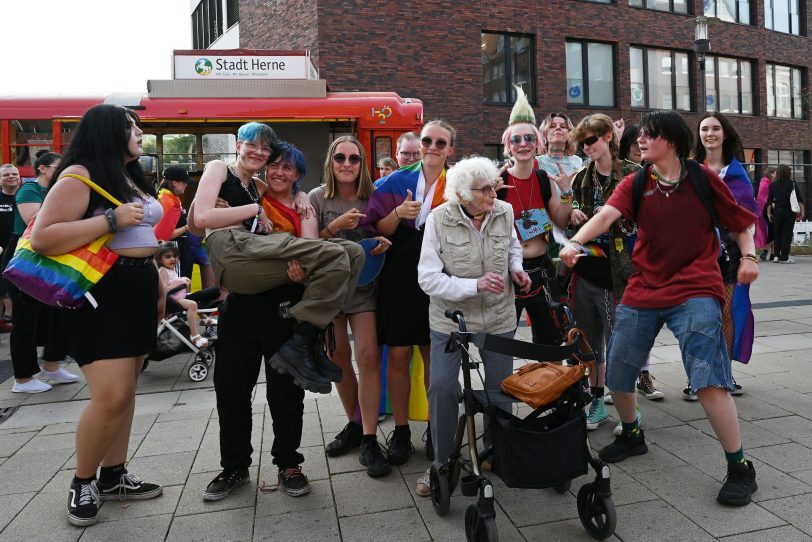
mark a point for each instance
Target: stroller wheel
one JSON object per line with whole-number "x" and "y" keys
{"x": 479, "y": 529}
{"x": 205, "y": 356}
{"x": 563, "y": 487}
{"x": 440, "y": 492}
{"x": 597, "y": 514}
{"x": 198, "y": 371}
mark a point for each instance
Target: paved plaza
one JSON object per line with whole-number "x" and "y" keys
{"x": 668, "y": 494}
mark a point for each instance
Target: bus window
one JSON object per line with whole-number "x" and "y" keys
{"x": 383, "y": 148}
{"x": 149, "y": 156}
{"x": 27, "y": 137}
{"x": 179, "y": 150}
{"x": 68, "y": 129}
{"x": 219, "y": 147}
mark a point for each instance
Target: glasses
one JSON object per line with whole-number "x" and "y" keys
{"x": 405, "y": 154}
{"x": 253, "y": 147}
{"x": 527, "y": 138}
{"x": 439, "y": 143}
{"x": 342, "y": 158}
{"x": 486, "y": 190}
{"x": 591, "y": 140}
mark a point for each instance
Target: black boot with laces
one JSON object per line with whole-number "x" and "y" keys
{"x": 740, "y": 484}
{"x": 296, "y": 358}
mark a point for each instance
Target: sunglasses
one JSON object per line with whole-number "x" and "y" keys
{"x": 591, "y": 140}
{"x": 342, "y": 158}
{"x": 439, "y": 143}
{"x": 486, "y": 190}
{"x": 517, "y": 139}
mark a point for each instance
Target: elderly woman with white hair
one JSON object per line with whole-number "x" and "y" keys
{"x": 470, "y": 260}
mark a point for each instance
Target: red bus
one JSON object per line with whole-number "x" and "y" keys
{"x": 197, "y": 127}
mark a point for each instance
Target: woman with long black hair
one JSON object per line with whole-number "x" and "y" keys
{"x": 108, "y": 342}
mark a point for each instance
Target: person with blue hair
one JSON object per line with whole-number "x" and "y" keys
{"x": 249, "y": 257}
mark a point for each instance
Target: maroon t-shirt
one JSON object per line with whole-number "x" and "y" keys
{"x": 676, "y": 249}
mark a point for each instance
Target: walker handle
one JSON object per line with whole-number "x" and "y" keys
{"x": 457, "y": 317}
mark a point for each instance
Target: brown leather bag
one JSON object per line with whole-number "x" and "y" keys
{"x": 541, "y": 383}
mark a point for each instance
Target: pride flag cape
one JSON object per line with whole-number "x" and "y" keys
{"x": 743, "y": 324}
{"x": 284, "y": 218}
{"x": 392, "y": 192}
{"x": 738, "y": 182}
{"x": 171, "y": 206}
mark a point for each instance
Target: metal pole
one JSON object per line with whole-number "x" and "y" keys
{"x": 704, "y": 96}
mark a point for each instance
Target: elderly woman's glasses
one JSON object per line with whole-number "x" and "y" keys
{"x": 527, "y": 138}
{"x": 341, "y": 158}
{"x": 487, "y": 189}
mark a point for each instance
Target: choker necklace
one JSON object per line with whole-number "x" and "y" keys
{"x": 659, "y": 178}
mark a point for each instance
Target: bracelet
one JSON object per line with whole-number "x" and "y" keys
{"x": 566, "y": 199}
{"x": 396, "y": 213}
{"x": 576, "y": 242}
{"x": 327, "y": 229}
{"x": 751, "y": 257}
{"x": 566, "y": 194}
{"x": 259, "y": 209}
{"x": 110, "y": 215}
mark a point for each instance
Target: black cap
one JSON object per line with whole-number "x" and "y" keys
{"x": 178, "y": 173}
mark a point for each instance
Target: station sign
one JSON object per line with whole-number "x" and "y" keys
{"x": 242, "y": 64}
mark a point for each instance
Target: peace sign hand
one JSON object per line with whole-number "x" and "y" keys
{"x": 563, "y": 180}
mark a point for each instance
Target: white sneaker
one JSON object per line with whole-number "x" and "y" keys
{"x": 32, "y": 386}
{"x": 607, "y": 398}
{"x": 60, "y": 376}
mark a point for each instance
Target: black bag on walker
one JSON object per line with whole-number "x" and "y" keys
{"x": 539, "y": 452}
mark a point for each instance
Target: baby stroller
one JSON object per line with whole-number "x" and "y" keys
{"x": 174, "y": 338}
{"x": 547, "y": 448}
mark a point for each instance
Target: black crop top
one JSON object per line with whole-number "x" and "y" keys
{"x": 234, "y": 193}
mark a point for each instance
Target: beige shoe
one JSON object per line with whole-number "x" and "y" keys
{"x": 423, "y": 488}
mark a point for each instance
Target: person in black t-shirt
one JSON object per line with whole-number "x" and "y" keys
{"x": 9, "y": 183}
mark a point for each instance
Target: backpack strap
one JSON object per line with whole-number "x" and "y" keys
{"x": 699, "y": 180}
{"x": 638, "y": 187}
{"x": 544, "y": 184}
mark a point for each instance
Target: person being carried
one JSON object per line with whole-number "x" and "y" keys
{"x": 675, "y": 203}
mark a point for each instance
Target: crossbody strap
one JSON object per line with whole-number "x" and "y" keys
{"x": 93, "y": 186}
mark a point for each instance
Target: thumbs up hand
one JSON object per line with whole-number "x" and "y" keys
{"x": 409, "y": 209}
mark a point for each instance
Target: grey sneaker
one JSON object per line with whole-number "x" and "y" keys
{"x": 688, "y": 394}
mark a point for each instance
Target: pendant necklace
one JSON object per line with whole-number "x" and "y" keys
{"x": 254, "y": 196}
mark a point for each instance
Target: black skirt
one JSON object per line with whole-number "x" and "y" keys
{"x": 403, "y": 308}
{"x": 125, "y": 323}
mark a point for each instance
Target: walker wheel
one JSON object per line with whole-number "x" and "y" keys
{"x": 145, "y": 364}
{"x": 597, "y": 514}
{"x": 198, "y": 371}
{"x": 563, "y": 487}
{"x": 440, "y": 491}
{"x": 479, "y": 529}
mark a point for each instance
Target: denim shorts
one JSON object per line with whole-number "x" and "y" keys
{"x": 697, "y": 325}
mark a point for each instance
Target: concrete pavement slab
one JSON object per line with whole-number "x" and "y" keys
{"x": 10, "y": 443}
{"x": 452, "y": 525}
{"x": 309, "y": 526}
{"x": 402, "y": 525}
{"x": 753, "y": 434}
{"x": 170, "y": 437}
{"x": 10, "y": 505}
{"x": 49, "y": 442}
{"x": 236, "y": 525}
{"x": 390, "y": 493}
{"x": 794, "y": 510}
{"x": 43, "y": 519}
{"x": 656, "y": 520}
{"x": 167, "y": 469}
{"x": 532, "y": 506}
{"x": 130, "y": 529}
{"x": 278, "y": 502}
{"x": 23, "y": 473}
{"x": 115, "y": 510}
{"x": 784, "y": 534}
{"x": 191, "y": 501}
{"x": 785, "y": 457}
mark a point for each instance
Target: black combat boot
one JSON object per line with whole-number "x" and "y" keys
{"x": 296, "y": 358}
{"x": 324, "y": 365}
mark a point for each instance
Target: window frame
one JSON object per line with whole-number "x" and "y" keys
{"x": 754, "y": 97}
{"x": 673, "y": 52}
{"x": 585, "y": 74}
{"x": 688, "y": 7}
{"x": 751, "y": 15}
{"x": 801, "y": 115}
{"x": 770, "y": 4}
{"x": 508, "y": 75}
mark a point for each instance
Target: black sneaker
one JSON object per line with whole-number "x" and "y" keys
{"x": 83, "y": 503}
{"x": 293, "y": 481}
{"x": 346, "y": 440}
{"x": 372, "y": 458}
{"x": 625, "y": 445}
{"x": 399, "y": 445}
{"x": 224, "y": 483}
{"x": 740, "y": 484}
{"x": 737, "y": 389}
{"x": 128, "y": 486}
{"x": 429, "y": 444}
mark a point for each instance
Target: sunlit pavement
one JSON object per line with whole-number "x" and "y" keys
{"x": 666, "y": 495}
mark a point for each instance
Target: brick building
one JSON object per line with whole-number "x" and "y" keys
{"x": 621, "y": 57}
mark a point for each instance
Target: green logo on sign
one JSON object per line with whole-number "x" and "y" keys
{"x": 203, "y": 67}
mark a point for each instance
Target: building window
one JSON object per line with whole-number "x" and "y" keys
{"x": 784, "y": 92}
{"x": 507, "y": 60}
{"x": 782, "y": 16}
{"x": 732, "y": 11}
{"x": 794, "y": 159}
{"x": 590, "y": 74}
{"x": 207, "y": 23}
{"x": 729, "y": 85}
{"x": 659, "y": 79}
{"x": 232, "y": 12}
{"x": 674, "y": 6}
